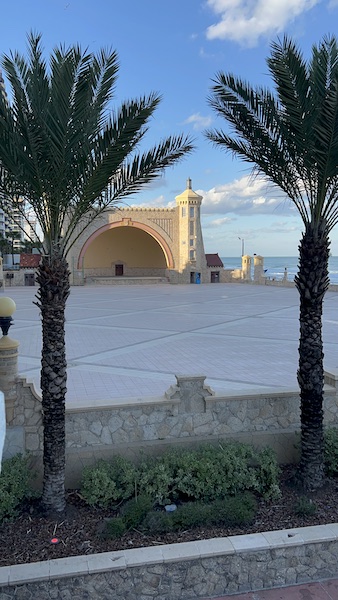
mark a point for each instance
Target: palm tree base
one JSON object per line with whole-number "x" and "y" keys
{"x": 54, "y": 288}
{"x": 312, "y": 282}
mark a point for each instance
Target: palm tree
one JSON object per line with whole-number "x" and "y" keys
{"x": 291, "y": 137}
{"x": 69, "y": 158}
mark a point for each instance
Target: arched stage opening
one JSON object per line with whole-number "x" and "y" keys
{"x": 118, "y": 249}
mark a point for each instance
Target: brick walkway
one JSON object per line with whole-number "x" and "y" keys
{"x": 325, "y": 590}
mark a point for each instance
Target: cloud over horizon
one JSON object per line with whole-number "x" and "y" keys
{"x": 248, "y": 195}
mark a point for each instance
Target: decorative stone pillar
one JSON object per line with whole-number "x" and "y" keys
{"x": 2, "y": 425}
{"x": 258, "y": 268}
{"x": 8, "y": 357}
{"x": 192, "y": 392}
{"x": 8, "y": 373}
{"x": 246, "y": 267}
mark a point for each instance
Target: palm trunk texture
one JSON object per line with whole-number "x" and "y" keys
{"x": 53, "y": 280}
{"x": 312, "y": 281}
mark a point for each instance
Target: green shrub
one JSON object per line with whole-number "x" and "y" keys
{"x": 135, "y": 510}
{"x": 267, "y": 474}
{"x": 115, "y": 528}
{"x": 331, "y": 452}
{"x": 109, "y": 482}
{"x": 231, "y": 511}
{"x": 157, "y": 522}
{"x": 210, "y": 472}
{"x": 191, "y": 514}
{"x": 14, "y": 485}
{"x": 156, "y": 479}
{"x": 305, "y": 507}
{"x": 235, "y": 510}
{"x": 206, "y": 473}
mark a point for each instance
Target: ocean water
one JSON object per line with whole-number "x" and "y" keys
{"x": 275, "y": 265}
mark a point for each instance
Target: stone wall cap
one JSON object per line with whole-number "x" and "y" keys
{"x": 118, "y": 403}
{"x": 183, "y": 377}
{"x": 262, "y": 393}
{"x": 332, "y": 373}
{"x": 107, "y": 561}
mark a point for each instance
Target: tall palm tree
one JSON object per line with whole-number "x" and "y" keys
{"x": 70, "y": 158}
{"x": 291, "y": 137}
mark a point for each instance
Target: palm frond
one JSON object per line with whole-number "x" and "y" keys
{"x": 291, "y": 136}
{"x": 62, "y": 150}
{"x": 129, "y": 178}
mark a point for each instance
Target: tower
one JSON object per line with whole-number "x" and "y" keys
{"x": 191, "y": 256}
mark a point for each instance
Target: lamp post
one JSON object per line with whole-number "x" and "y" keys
{"x": 7, "y": 308}
{"x": 8, "y": 367}
{"x": 242, "y": 240}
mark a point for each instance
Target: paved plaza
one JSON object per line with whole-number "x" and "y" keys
{"x": 325, "y": 590}
{"x": 130, "y": 341}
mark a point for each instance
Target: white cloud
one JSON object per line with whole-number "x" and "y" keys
{"x": 282, "y": 227}
{"x": 198, "y": 121}
{"x": 245, "y": 21}
{"x": 248, "y": 195}
{"x": 220, "y": 222}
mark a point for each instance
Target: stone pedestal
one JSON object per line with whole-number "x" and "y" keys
{"x": 246, "y": 267}
{"x": 258, "y": 268}
{"x": 8, "y": 373}
{"x": 192, "y": 392}
{"x": 2, "y": 425}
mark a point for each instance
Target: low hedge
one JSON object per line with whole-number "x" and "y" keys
{"x": 207, "y": 473}
{"x": 15, "y": 478}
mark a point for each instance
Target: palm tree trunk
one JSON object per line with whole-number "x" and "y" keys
{"x": 312, "y": 282}
{"x": 53, "y": 279}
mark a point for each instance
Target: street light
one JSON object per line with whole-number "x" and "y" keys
{"x": 7, "y": 308}
{"x": 242, "y": 240}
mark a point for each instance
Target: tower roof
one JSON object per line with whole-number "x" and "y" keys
{"x": 188, "y": 194}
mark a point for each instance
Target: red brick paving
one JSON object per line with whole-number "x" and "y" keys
{"x": 325, "y": 590}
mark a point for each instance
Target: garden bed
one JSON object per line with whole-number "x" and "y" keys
{"x": 79, "y": 529}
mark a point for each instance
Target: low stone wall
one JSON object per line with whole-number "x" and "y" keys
{"x": 127, "y": 272}
{"x": 187, "y": 571}
{"x": 189, "y": 413}
{"x": 17, "y": 277}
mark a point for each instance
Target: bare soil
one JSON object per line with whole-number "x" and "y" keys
{"x": 29, "y": 537}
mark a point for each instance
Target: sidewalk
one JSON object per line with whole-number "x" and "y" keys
{"x": 325, "y": 590}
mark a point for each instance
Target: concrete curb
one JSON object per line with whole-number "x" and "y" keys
{"x": 75, "y": 566}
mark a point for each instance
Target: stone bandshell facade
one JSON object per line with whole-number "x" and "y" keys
{"x": 164, "y": 243}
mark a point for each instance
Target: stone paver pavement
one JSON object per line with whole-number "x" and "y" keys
{"x": 130, "y": 341}
{"x": 325, "y": 590}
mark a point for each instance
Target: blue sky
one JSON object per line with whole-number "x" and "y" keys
{"x": 176, "y": 48}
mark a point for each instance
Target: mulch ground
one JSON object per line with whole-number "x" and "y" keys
{"x": 28, "y": 537}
